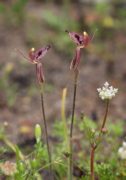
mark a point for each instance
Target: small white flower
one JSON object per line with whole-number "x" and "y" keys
{"x": 8, "y": 168}
{"x": 124, "y": 145}
{"x": 107, "y": 91}
{"x": 122, "y": 151}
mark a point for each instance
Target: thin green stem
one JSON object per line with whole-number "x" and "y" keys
{"x": 71, "y": 126}
{"x": 93, "y": 147}
{"x": 46, "y": 134}
{"x": 13, "y": 148}
{"x": 63, "y": 116}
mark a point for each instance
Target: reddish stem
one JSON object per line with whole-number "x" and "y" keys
{"x": 105, "y": 117}
{"x": 72, "y": 123}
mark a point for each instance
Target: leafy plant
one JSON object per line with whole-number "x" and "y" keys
{"x": 14, "y": 13}
{"x": 9, "y": 90}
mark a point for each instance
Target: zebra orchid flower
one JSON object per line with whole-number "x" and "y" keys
{"x": 81, "y": 41}
{"x": 34, "y": 57}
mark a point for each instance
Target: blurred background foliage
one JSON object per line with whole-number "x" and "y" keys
{"x": 33, "y": 23}
{"x": 27, "y": 23}
{"x": 108, "y": 17}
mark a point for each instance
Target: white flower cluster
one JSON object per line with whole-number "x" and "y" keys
{"x": 8, "y": 168}
{"x": 107, "y": 91}
{"x": 122, "y": 151}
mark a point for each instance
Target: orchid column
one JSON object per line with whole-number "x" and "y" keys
{"x": 81, "y": 42}
{"x": 34, "y": 57}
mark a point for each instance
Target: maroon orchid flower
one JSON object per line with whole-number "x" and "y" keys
{"x": 34, "y": 57}
{"x": 81, "y": 41}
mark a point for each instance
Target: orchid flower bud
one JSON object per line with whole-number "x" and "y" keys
{"x": 38, "y": 132}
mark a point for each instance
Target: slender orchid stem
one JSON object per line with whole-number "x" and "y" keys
{"x": 106, "y": 113}
{"x": 72, "y": 123}
{"x": 46, "y": 133}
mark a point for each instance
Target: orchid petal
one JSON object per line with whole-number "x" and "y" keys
{"x": 77, "y": 38}
{"x": 86, "y": 39}
{"x": 39, "y": 73}
{"x": 32, "y": 55}
{"x": 23, "y": 55}
{"x": 41, "y": 52}
{"x": 76, "y": 60}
